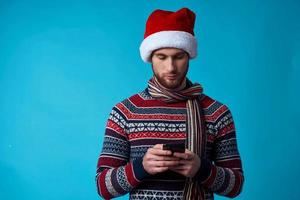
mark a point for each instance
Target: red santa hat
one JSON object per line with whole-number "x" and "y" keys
{"x": 169, "y": 29}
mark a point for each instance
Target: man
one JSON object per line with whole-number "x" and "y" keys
{"x": 171, "y": 110}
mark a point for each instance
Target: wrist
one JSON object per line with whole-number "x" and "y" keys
{"x": 204, "y": 169}
{"x": 139, "y": 169}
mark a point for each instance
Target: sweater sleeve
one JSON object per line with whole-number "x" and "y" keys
{"x": 116, "y": 174}
{"x": 223, "y": 175}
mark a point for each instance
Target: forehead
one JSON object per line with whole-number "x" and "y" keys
{"x": 169, "y": 51}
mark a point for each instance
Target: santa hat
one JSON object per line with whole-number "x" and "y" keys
{"x": 169, "y": 29}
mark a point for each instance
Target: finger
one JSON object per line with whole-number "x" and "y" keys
{"x": 178, "y": 167}
{"x": 179, "y": 155}
{"x": 182, "y": 155}
{"x": 188, "y": 151}
{"x": 165, "y": 163}
{"x": 185, "y": 162}
{"x": 179, "y": 171}
{"x": 159, "y": 152}
{"x": 159, "y": 169}
{"x": 163, "y": 158}
{"x": 188, "y": 155}
{"x": 155, "y": 163}
{"x": 158, "y": 146}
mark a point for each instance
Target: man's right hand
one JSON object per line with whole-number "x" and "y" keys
{"x": 157, "y": 160}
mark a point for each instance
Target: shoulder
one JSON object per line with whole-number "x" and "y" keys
{"x": 213, "y": 109}
{"x": 218, "y": 115}
{"x": 127, "y": 105}
{"x": 134, "y": 99}
{"x": 210, "y": 104}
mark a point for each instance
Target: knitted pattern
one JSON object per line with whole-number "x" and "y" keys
{"x": 195, "y": 132}
{"x": 140, "y": 122}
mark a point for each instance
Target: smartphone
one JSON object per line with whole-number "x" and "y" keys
{"x": 175, "y": 147}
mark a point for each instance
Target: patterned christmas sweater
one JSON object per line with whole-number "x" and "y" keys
{"x": 140, "y": 122}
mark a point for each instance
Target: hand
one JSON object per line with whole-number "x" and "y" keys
{"x": 189, "y": 163}
{"x": 157, "y": 160}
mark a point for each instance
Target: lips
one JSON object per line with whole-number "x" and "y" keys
{"x": 172, "y": 77}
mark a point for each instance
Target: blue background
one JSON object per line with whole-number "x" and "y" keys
{"x": 65, "y": 64}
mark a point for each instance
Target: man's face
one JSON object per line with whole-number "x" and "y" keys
{"x": 170, "y": 66}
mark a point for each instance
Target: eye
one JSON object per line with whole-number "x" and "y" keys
{"x": 180, "y": 56}
{"x": 161, "y": 57}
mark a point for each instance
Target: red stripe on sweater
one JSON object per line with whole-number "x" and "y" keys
{"x": 160, "y": 135}
{"x": 210, "y": 137}
{"x": 230, "y": 163}
{"x": 101, "y": 184}
{"x": 237, "y": 185}
{"x": 148, "y": 103}
{"x": 206, "y": 102}
{"x": 226, "y": 129}
{"x": 130, "y": 175}
{"x": 210, "y": 180}
{"x": 112, "y": 125}
{"x": 214, "y": 116}
{"x": 110, "y": 161}
{"x": 130, "y": 115}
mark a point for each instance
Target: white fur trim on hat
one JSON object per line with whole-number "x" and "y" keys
{"x": 172, "y": 39}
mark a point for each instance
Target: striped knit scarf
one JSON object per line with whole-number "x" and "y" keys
{"x": 195, "y": 140}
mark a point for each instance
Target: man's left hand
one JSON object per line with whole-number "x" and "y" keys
{"x": 189, "y": 163}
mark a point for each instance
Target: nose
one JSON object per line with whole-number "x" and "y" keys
{"x": 170, "y": 65}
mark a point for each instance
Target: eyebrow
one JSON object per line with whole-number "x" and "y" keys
{"x": 159, "y": 54}
{"x": 162, "y": 54}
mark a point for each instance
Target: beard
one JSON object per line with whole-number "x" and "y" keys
{"x": 177, "y": 80}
